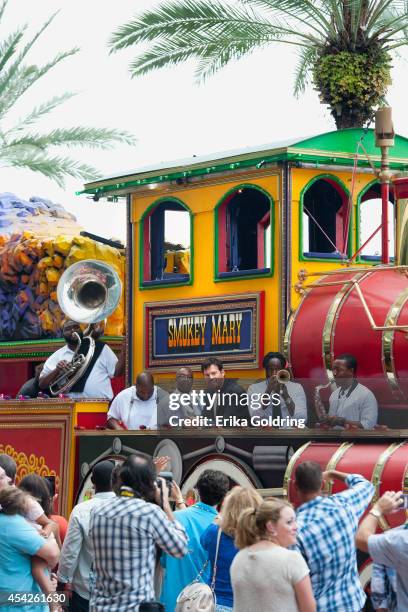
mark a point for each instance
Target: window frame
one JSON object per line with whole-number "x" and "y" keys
{"x": 335, "y": 179}
{"x": 164, "y": 283}
{"x": 369, "y": 260}
{"x": 218, "y": 233}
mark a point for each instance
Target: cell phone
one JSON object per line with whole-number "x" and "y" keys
{"x": 51, "y": 484}
{"x": 168, "y": 477}
{"x": 405, "y": 498}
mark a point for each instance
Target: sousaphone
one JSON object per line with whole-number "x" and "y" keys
{"x": 87, "y": 292}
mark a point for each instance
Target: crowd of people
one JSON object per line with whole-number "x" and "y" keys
{"x": 127, "y": 549}
{"x": 213, "y": 400}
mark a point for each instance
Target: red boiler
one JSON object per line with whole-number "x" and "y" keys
{"x": 359, "y": 311}
{"x": 386, "y": 465}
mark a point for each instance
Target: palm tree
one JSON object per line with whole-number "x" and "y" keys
{"x": 20, "y": 145}
{"x": 345, "y": 46}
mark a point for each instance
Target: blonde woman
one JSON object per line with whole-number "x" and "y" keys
{"x": 265, "y": 575}
{"x": 237, "y": 500}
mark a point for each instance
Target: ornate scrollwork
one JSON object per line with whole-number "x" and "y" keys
{"x": 29, "y": 464}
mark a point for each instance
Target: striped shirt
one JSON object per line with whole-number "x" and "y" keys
{"x": 327, "y": 528}
{"x": 124, "y": 533}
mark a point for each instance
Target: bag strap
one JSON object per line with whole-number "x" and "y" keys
{"x": 216, "y": 559}
{"x": 201, "y": 572}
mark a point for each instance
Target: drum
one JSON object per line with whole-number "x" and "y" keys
{"x": 334, "y": 318}
{"x": 386, "y": 465}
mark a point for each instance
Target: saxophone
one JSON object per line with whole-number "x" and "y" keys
{"x": 320, "y": 409}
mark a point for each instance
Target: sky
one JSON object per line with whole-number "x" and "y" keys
{"x": 248, "y": 103}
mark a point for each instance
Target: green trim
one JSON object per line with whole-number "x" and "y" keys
{"x": 360, "y": 258}
{"x": 336, "y": 179}
{"x": 336, "y": 147}
{"x": 216, "y": 277}
{"x": 164, "y": 285}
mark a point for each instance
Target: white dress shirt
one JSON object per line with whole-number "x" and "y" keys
{"x": 134, "y": 412}
{"x": 98, "y": 384}
{"x": 358, "y": 405}
{"x": 76, "y": 553}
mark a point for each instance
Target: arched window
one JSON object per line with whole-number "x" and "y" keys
{"x": 369, "y": 218}
{"x": 324, "y": 206}
{"x": 166, "y": 236}
{"x": 244, "y": 233}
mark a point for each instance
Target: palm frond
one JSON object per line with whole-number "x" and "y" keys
{"x": 184, "y": 17}
{"x": 38, "y": 112}
{"x": 23, "y": 78}
{"x": 55, "y": 168}
{"x": 94, "y": 138}
{"x": 9, "y": 46}
{"x": 304, "y": 12}
{"x": 307, "y": 58}
{"x": 6, "y": 76}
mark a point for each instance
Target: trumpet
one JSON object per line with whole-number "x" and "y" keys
{"x": 281, "y": 377}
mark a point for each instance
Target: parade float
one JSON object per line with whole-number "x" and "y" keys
{"x": 264, "y": 224}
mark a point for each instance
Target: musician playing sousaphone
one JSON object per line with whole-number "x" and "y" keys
{"x": 351, "y": 404}
{"x": 88, "y": 292}
{"x": 287, "y": 398}
{"x": 104, "y": 365}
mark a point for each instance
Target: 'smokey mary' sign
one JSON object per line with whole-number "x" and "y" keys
{"x": 188, "y": 331}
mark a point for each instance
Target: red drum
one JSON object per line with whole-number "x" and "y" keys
{"x": 391, "y": 474}
{"x": 386, "y": 465}
{"x": 333, "y": 318}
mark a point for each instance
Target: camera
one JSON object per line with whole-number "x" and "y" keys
{"x": 167, "y": 477}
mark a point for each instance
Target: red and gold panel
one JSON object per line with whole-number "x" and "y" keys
{"x": 39, "y": 438}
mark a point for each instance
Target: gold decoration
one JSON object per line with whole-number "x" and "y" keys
{"x": 29, "y": 464}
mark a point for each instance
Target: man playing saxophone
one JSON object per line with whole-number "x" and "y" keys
{"x": 351, "y": 403}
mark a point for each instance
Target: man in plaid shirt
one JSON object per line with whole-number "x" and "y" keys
{"x": 125, "y": 532}
{"x": 326, "y": 531}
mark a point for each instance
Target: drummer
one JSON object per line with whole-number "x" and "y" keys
{"x": 351, "y": 403}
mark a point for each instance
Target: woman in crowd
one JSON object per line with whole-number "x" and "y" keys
{"x": 36, "y": 486}
{"x": 264, "y": 574}
{"x": 237, "y": 500}
{"x": 19, "y": 541}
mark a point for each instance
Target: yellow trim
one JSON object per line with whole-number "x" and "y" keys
{"x": 335, "y": 459}
{"x": 288, "y": 472}
{"x": 376, "y": 478}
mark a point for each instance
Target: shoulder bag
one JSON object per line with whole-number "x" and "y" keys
{"x": 198, "y": 596}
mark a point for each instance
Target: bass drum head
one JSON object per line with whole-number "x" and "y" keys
{"x": 238, "y": 472}
{"x": 86, "y": 489}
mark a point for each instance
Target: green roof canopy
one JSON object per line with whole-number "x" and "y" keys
{"x": 338, "y": 147}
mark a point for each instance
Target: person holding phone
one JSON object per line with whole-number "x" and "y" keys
{"x": 124, "y": 534}
{"x": 389, "y": 548}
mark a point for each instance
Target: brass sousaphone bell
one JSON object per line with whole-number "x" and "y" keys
{"x": 87, "y": 292}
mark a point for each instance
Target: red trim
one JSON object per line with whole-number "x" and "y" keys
{"x": 223, "y": 234}
{"x": 147, "y": 272}
{"x": 260, "y": 237}
{"x": 401, "y": 188}
{"x": 261, "y": 339}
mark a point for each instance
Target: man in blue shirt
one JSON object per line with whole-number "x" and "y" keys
{"x": 212, "y": 487}
{"x": 326, "y": 530}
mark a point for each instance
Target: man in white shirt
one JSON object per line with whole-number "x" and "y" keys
{"x": 351, "y": 403}
{"x": 138, "y": 406}
{"x": 287, "y": 399}
{"x": 76, "y": 553}
{"x": 96, "y": 380}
